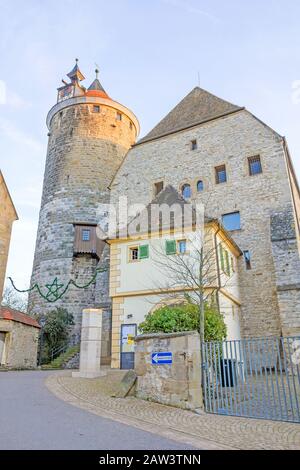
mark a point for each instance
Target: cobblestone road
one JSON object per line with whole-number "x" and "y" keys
{"x": 204, "y": 431}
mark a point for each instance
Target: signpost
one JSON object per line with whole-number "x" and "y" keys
{"x": 161, "y": 358}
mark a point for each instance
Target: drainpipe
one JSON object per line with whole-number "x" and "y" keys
{"x": 218, "y": 269}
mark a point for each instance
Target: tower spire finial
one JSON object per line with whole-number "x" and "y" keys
{"x": 97, "y": 73}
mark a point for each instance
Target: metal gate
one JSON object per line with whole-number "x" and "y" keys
{"x": 257, "y": 378}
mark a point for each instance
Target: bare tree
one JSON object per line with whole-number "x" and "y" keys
{"x": 14, "y": 299}
{"x": 195, "y": 273}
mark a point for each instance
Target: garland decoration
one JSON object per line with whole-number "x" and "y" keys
{"x": 55, "y": 290}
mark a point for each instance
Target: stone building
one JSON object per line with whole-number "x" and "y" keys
{"x": 8, "y": 215}
{"x": 18, "y": 339}
{"x": 212, "y": 152}
{"x": 89, "y": 135}
{"x": 157, "y": 266}
{"x": 240, "y": 169}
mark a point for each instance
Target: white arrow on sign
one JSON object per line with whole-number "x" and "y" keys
{"x": 156, "y": 358}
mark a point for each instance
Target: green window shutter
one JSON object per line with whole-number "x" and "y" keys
{"x": 170, "y": 247}
{"x": 222, "y": 258}
{"x": 227, "y": 263}
{"x": 144, "y": 251}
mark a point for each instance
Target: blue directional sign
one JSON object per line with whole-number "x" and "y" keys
{"x": 161, "y": 358}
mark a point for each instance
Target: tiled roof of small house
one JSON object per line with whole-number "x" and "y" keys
{"x": 197, "y": 107}
{"x": 7, "y": 313}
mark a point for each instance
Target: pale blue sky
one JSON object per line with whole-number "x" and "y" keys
{"x": 149, "y": 53}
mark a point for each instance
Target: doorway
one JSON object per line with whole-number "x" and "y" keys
{"x": 2, "y": 347}
{"x": 128, "y": 332}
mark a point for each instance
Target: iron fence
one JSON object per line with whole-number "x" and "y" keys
{"x": 258, "y": 378}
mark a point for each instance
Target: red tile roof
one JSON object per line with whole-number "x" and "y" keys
{"x": 7, "y": 313}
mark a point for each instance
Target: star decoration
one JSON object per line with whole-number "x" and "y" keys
{"x": 53, "y": 289}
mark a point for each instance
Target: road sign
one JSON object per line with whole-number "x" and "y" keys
{"x": 162, "y": 358}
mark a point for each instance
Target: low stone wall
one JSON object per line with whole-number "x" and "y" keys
{"x": 177, "y": 384}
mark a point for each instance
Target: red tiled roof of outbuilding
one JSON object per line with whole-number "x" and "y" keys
{"x": 7, "y": 313}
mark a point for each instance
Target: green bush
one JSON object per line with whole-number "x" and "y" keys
{"x": 56, "y": 330}
{"x": 185, "y": 317}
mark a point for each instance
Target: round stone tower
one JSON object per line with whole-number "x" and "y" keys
{"x": 89, "y": 135}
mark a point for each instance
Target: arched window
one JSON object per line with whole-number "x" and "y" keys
{"x": 200, "y": 186}
{"x": 186, "y": 190}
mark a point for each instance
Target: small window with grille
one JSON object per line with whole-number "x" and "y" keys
{"x": 254, "y": 165}
{"x": 96, "y": 108}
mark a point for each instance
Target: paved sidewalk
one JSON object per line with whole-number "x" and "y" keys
{"x": 203, "y": 431}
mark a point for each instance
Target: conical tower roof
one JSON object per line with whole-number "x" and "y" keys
{"x": 96, "y": 89}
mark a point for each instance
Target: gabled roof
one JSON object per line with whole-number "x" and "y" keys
{"x": 8, "y": 193}
{"x": 7, "y": 313}
{"x": 197, "y": 107}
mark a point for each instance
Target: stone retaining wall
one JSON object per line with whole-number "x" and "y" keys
{"x": 177, "y": 384}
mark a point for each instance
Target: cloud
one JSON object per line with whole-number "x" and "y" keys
{"x": 11, "y": 98}
{"x": 9, "y": 130}
{"x": 192, "y": 9}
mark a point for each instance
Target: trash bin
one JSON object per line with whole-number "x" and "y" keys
{"x": 228, "y": 372}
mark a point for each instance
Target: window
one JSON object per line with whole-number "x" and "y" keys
{"x": 193, "y": 144}
{"x": 224, "y": 260}
{"x": 231, "y": 221}
{"x": 119, "y": 117}
{"x": 186, "y": 191}
{"x": 96, "y": 109}
{"x": 200, "y": 186}
{"x": 232, "y": 264}
{"x": 254, "y": 165}
{"x": 158, "y": 187}
{"x": 86, "y": 235}
{"x": 133, "y": 253}
{"x": 247, "y": 258}
{"x": 170, "y": 247}
{"x": 181, "y": 246}
{"x": 130, "y": 124}
{"x": 221, "y": 176}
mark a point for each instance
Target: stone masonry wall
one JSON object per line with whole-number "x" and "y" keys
{"x": 177, "y": 384}
{"x": 229, "y": 140}
{"x": 287, "y": 268}
{"x": 84, "y": 151}
{"x": 20, "y": 345}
